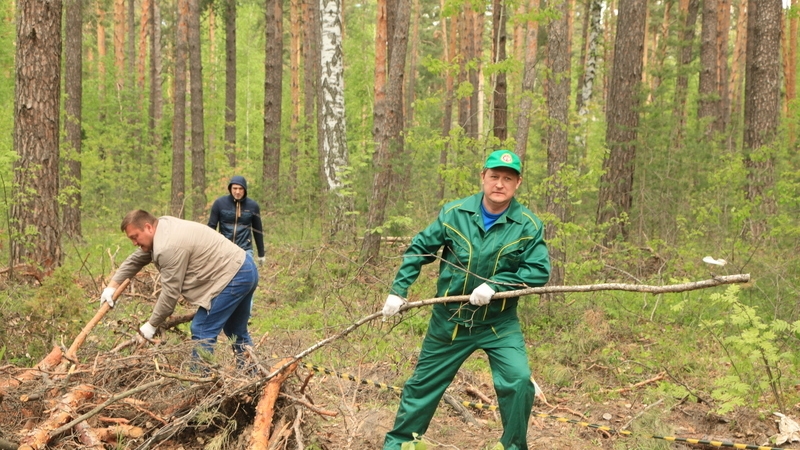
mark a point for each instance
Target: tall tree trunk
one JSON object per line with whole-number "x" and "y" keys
{"x": 388, "y": 133}
{"x": 119, "y": 42}
{"x": 273, "y": 81}
{"x": 73, "y": 79}
{"x": 198, "y": 127}
{"x": 464, "y": 52}
{"x": 144, "y": 30}
{"x": 499, "y": 18}
{"x": 332, "y": 133}
{"x": 411, "y": 79}
{"x": 590, "y": 70}
{"x": 179, "y": 115}
{"x": 475, "y": 70}
{"x": 789, "y": 53}
{"x": 101, "y": 58}
{"x": 622, "y": 116}
{"x": 230, "y": 81}
{"x": 587, "y": 13}
{"x": 312, "y": 74}
{"x": 528, "y": 80}
{"x": 723, "y": 30}
{"x": 156, "y": 97}
{"x": 762, "y": 105}
{"x": 708, "y": 108}
{"x": 35, "y": 227}
{"x": 131, "y": 44}
{"x": 736, "y": 82}
{"x": 688, "y": 14}
{"x": 449, "y": 34}
{"x": 558, "y": 81}
{"x": 295, "y": 50}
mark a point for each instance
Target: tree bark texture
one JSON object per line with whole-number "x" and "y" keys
{"x": 35, "y": 227}
{"x": 144, "y": 30}
{"x": 449, "y": 33}
{"x": 708, "y": 107}
{"x": 528, "y": 81}
{"x": 762, "y": 103}
{"x": 73, "y": 82}
{"x": 558, "y": 95}
{"x": 622, "y": 116}
{"x": 156, "y": 97}
{"x": 389, "y": 132}
{"x": 499, "y": 19}
{"x": 295, "y": 52}
{"x": 230, "y": 82}
{"x": 179, "y": 112}
{"x": 119, "y": 42}
{"x": 332, "y": 134}
{"x": 198, "y": 127}
{"x": 688, "y": 15}
{"x": 273, "y": 91}
{"x": 590, "y": 69}
{"x": 723, "y": 31}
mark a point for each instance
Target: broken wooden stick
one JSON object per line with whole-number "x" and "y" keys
{"x": 259, "y": 439}
{"x": 104, "y": 308}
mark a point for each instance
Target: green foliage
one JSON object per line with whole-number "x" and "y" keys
{"x": 416, "y": 444}
{"x": 755, "y": 351}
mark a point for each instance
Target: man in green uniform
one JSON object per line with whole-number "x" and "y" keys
{"x": 490, "y": 243}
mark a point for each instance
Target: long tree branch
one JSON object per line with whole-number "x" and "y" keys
{"x": 670, "y": 288}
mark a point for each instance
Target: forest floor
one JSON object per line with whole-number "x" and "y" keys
{"x": 334, "y": 412}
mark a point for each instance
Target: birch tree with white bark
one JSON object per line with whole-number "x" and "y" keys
{"x": 332, "y": 137}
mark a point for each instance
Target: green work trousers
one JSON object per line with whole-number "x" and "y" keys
{"x": 445, "y": 347}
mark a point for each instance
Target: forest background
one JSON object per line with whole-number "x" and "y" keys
{"x": 653, "y": 133}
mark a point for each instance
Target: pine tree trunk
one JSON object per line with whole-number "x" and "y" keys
{"x": 73, "y": 80}
{"x": 688, "y": 15}
{"x": 144, "y": 30}
{"x": 708, "y": 108}
{"x": 295, "y": 49}
{"x": 101, "y": 59}
{"x": 723, "y": 30}
{"x": 178, "y": 197}
{"x": 119, "y": 42}
{"x": 590, "y": 71}
{"x": 622, "y": 116}
{"x": 558, "y": 86}
{"x": 499, "y": 18}
{"x": 35, "y": 226}
{"x": 273, "y": 80}
{"x": 762, "y": 106}
{"x": 230, "y": 82}
{"x": 528, "y": 79}
{"x": 198, "y": 128}
{"x": 736, "y": 82}
{"x": 389, "y": 132}
{"x": 449, "y": 34}
{"x": 156, "y": 97}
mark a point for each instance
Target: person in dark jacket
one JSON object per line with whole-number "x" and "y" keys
{"x": 239, "y": 218}
{"x": 490, "y": 243}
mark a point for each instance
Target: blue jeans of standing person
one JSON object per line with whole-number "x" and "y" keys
{"x": 229, "y": 313}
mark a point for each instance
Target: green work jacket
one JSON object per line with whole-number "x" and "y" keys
{"x": 511, "y": 255}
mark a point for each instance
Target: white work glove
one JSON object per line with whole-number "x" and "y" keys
{"x": 147, "y": 330}
{"x": 261, "y": 260}
{"x": 482, "y": 295}
{"x": 108, "y": 296}
{"x": 392, "y": 305}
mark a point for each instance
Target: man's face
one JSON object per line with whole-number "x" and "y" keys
{"x": 499, "y": 186}
{"x": 237, "y": 191}
{"x": 141, "y": 237}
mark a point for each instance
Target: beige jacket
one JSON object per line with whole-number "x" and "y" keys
{"x": 194, "y": 261}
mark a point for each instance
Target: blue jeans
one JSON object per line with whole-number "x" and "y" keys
{"x": 230, "y": 311}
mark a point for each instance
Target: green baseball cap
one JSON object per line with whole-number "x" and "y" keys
{"x": 503, "y": 158}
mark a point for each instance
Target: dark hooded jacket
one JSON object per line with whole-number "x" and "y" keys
{"x": 238, "y": 220}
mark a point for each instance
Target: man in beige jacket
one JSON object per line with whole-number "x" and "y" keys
{"x": 195, "y": 261}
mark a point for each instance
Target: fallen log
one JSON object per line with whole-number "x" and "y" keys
{"x": 113, "y": 433}
{"x": 39, "y": 437}
{"x": 51, "y": 361}
{"x": 260, "y": 437}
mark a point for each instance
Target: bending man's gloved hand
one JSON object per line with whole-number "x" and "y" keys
{"x": 482, "y": 295}
{"x": 147, "y": 330}
{"x": 108, "y": 296}
{"x": 261, "y": 260}
{"x": 392, "y": 305}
